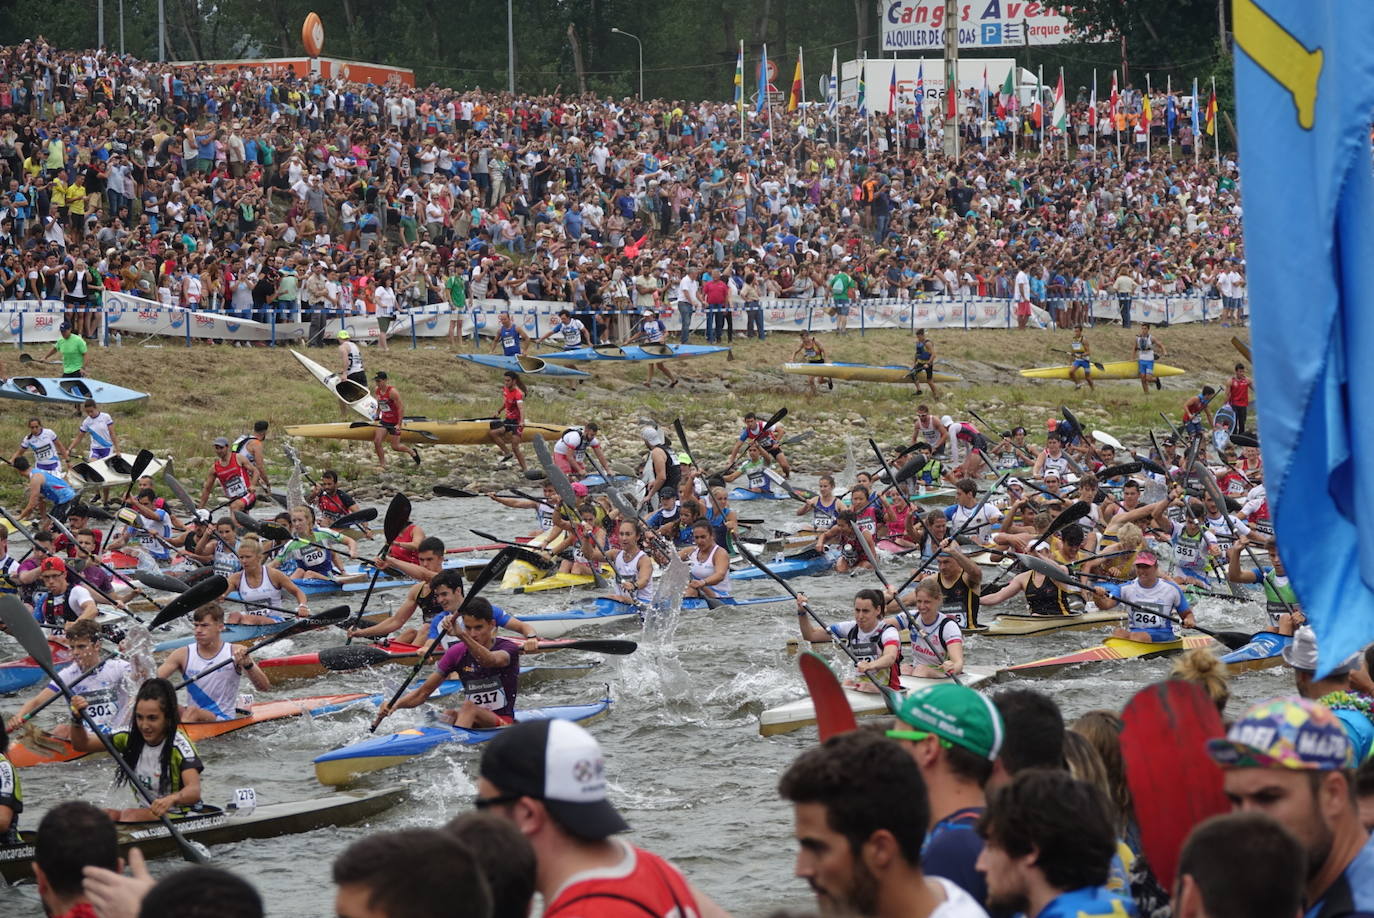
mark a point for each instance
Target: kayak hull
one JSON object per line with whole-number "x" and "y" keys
{"x": 1120, "y": 369}
{"x": 792, "y": 567}
{"x": 112, "y": 471}
{"x": 226, "y": 826}
{"x": 1109, "y": 649}
{"x": 794, "y": 715}
{"x": 1264, "y": 650}
{"x": 348, "y": 391}
{"x": 862, "y": 372}
{"x": 67, "y": 391}
{"x": 524, "y": 364}
{"x": 339, "y": 766}
{"x": 738, "y": 494}
{"x": 636, "y": 353}
{"x": 457, "y": 433}
{"x": 1020, "y": 625}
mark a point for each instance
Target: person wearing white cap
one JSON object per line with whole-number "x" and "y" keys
{"x": 548, "y": 778}
{"x": 662, "y": 466}
{"x": 653, "y": 331}
{"x": 1334, "y": 689}
{"x": 352, "y": 357}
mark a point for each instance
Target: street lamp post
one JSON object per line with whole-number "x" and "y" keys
{"x": 641, "y": 57}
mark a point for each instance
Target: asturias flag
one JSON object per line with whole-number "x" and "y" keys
{"x": 1304, "y": 91}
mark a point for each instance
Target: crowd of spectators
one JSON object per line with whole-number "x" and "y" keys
{"x": 233, "y": 190}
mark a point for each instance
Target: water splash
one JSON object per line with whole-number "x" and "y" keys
{"x": 851, "y": 466}
{"x": 145, "y": 561}
{"x": 658, "y": 659}
{"x": 137, "y": 648}
{"x": 295, "y": 490}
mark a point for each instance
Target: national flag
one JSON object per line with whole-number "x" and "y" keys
{"x": 1170, "y": 115}
{"x": 739, "y": 80}
{"x": 892, "y": 90}
{"x": 951, "y": 94}
{"x": 763, "y": 80}
{"x": 1038, "y": 109}
{"x": 1212, "y": 113}
{"x": 1006, "y": 102}
{"x": 1115, "y": 107}
{"x": 794, "y": 97}
{"x": 863, "y": 90}
{"x": 919, "y": 110}
{"x": 1147, "y": 114}
{"x": 1197, "y": 107}
{"x": 1061, "y": 114}
{"x": 1309, "y": 266}
{"x": 833, "y": 100}
{"x": 1092, "y": 104}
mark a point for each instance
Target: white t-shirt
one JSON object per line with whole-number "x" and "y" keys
{"x": 1165, "y": 595}
{"x": 44, "y": 446}
{"x": 98, "y": 429}
{"x": 981, "y": 528}
{"x": 957, "y": 904}
{"x": 106, "y": 690}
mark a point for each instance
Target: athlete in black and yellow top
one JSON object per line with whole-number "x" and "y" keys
{"x": 959, "y": 577}
{"x": 1043, "y": 595}
{"x": 1082, "y": 359}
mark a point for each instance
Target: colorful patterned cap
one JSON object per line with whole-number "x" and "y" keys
{"x": 1287, "y": 732}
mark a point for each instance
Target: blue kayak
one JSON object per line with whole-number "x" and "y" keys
{"x": 67, "y": 391}
{"x": 746, "y": 494}
{"x": 233, "y": 634}
{"x": 650, "y": 352}
{"x": 793, "y": 567}
{"x": 525, "y": 364}
{"x": 314, "y": 586}
{"x": 1265, "y": 649}
{"x": 339, "y": 766}
{"x": 17, "y": 676}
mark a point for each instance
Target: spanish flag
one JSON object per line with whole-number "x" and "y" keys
{"x": 794, "y": 97}
{"x": 1211, "y": 124}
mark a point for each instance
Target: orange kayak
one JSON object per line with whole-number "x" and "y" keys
{"x": 1109, "y": 649}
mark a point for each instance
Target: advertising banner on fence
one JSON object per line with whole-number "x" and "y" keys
{"x": 918, "y": 25}
{"x": 133, "y": 315}
{"x": 25, "y": 321}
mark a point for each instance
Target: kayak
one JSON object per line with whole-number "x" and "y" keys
{"x": 1014, "y": 625}
{"x": 524, "y": 364}
{"x": 20, "y": 674}
{"x": 817, "y": 563}
{"x": 111, "y": 471}
{"x": 651, "y": 352}
{"x": 862, "y": 372}
{"x": 351, "y": 393}
{"x": 211, "y": 825}
{"x": 350, "y": 657}
{"x": 561, "y": 581}
{"x": 1264, "y": 650}
{"x": 746, "y": 494}
{"x": 339, "y": 766}
{"x": 1109, "y": 649}
{"x": 233, "y": 634}
{"x": 1121, "y": 369}
{"x": 460, "y": 433}
{"x": 67, "y": 391}
{"x": 802, "y": 712}
{"x": 607, "y": 611}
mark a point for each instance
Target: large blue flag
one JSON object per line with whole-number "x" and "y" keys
{"x": 1304, "y": 97}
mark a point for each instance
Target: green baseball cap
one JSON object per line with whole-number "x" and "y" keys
{"x": 954, "y": 713}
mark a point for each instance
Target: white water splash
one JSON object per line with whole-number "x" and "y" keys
{"x": 657, "y": 659}
{"x": 851, "y": 466}
{"x": 295, "y": 490}
{"x": 137, "y": 648}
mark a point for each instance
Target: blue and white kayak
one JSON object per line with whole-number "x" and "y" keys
{"x": 793, "y": 567}
{"x": 17, "y": 676}
{"x": 650, "y": 352}
{"x": 233, "y": 634}
{"x": 1264, "y": 650}
{"x": 339, "y": 766}
{"x": 67, "y": 391}
{"x": 524, "y": 364}
{"x": 738, "y": 494}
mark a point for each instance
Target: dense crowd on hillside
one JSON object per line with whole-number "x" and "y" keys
{"x": 232, "y": 191}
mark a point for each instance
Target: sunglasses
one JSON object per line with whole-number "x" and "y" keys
{"x": 917, "y": 735}
{"x": 485, "y": 803}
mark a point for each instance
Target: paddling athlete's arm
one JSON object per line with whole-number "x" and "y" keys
{"x": 519, "y": 503}
{"x": 406, "y": 568}
{"x": 485, "y": 656}
{"x": 396, "y": 620}
{"x": 972, "y": 572}
{"x": 416, "y": 696}
{"x": 245, "y": 665}
{"x": 1018, "y": 583}
{"x": 810, "y": 631}
{"x": 287, "y": 585}
{"x": 175, "y": 663}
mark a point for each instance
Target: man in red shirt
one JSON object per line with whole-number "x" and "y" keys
{"x": 715, "y": 291}
{"x": 548, "y": 777}
{"x": 1238, "y": 392}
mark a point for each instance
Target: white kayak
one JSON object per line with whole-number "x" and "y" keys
{"x": 802, "y": 713}
{"x": 349, "y": 392}
{"x": 112, "y": 471}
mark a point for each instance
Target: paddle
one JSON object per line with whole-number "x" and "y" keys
{"x": 1025, "y": 454}
{"x": 1078, "y": 431}
{"x": 887, "y": 474}
{"x": 1209, "y": 481}
{"x": 615, "y": 647}
{"x": 208, "y": 590}
{"x": 686, "y": 448}
{"x": 1235, "y": 343}
{"x": 446, "y": 491}
{"x": 397, "y": 429}
{"x": 1199, "y": 591}
{"x": 265, "y": 528}
{"x": 29, "y": 358}
{"x": 1232, "y": 639}
{"x": 833, "y": 713}
{"x": 495, "y": 568}
{"x": 974, "y": 515}
{"x": 1174, "y": 792}
{"x": 1070, "y": 514}
{"x": 25, "y": 630}
{"x": 1244, "y": 439}
{"x": 767, "y": 425}
{"x": 74, "y": 683}
{"x": 148, "y": 578}
{"x": 397, "y": 518}
{"x": 366, "y": 515}
{"x": 563, "y": 486}
{"x": 179, "y": 490}
{"x": 333, "y": 616}
{"x": 141, "y": 462}
{"x": 891, "y": 697}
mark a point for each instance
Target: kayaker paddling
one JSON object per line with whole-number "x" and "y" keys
{"x": 1152, "y": 592}
{"x": 937, "y": 644}
{"x": 873, "y": 642}
{"x": 257, "y": 583}
{"x": 214, "y": 696}
{"x": 233, "y": 477}
{"x": 105, "y": 685}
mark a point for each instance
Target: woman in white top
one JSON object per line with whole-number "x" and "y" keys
{"x": 708, "y": 562}
{"x": 385, "y": 301}
{"x": 259, "y": 584}
{"x": 634, "y": 570}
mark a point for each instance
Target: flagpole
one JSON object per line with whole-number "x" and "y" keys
{"x": 806, "y": 127}
{"x": 767, "y": 97}
{"x": 1216, "y": 127}
{"x": 741, "y": 91}
{"x": 1068, "y": 122}
{"x": 1040, "y": 103}
{"x": 868, "y": 131}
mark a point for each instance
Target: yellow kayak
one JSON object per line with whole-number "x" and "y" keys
{"x": 461, "y": 433}
{"x": 1121, "y": 369}
{"x": 560, "y": 581}
{"x": 862, "y": 372}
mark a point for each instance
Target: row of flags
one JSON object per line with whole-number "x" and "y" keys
{"x": 1203, "y": 118}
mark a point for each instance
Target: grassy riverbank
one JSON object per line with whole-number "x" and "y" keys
{"x": 203, "y": 392}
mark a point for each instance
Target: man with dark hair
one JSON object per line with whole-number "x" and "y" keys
{"x": 202, "y": 892}
{"x": 367, "y": 872}
{"x": 548, "y": 777}
{"x": 1290, "y": 758}
{"x": 859, "y": 813}
{"x": 504, "y": 858}
{"x": 1034, "y": 734}
{"x": 71, "y": 837}
{"x": 1242, "y": 865}
{"x": 1047, "y": 848}
{"x": 953, "y": 734}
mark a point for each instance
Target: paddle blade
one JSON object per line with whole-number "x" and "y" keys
{"x": 1234, "y": 640}
{"x": 274, "y": 531}
{"x": 777, "y": 416}
{"x": 24, "y": 629}
{"x": 446, "y": 491}
{"x": 159, "y": 581}
{"x": 246, "y": 522}
{"x": 335, "y": 615}
{"x": 616, "y": 647}
{"x": 494, "y": 568}
{"x": 682, "y": 438}
{"x": 357, "y": 516}
{"x": 93, "y": 512}
{"x": 1174, "y": 792}
{"x": 208, "y": 590}
{"x": 1073, "y": 421}
{"x": 352, "y": 656}
{"x": 1242, "y": 439}
{"x": 833, "y": 713}
{"x": 1118, "y": 471}
{"x": 1153, "y": 467}
{"x": 397, "y": 517}
{"x": 909, "y": 469}
{"x": 180, "y": 491}
{"x": 144, "y": 459}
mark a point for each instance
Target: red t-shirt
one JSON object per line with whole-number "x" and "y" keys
{"x": 716, "y": 292}
{"x": 1240, "y": 392}
{"x": 641, "y": 884}
{"x": 387, "y": 412}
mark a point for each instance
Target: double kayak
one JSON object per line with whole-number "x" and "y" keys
{"x": 524, "y": 364}
{"x": 738, "y": 494}
{"x": 352, "y": 393}
{"x": 112, "y": 471}
{"x": 211, "y": 825}
{"x": 802, "y": 712}
{"x": 862, "y": 372}
{"x": 1110, "y": 649}
{"x": 1120, "y": 369}
{"x": 650, "y": 352}
{"x": 459, "y": 433}
{"x": 67, "y": 391}
{"x": 1264, "y": 649}
{"x": 339, "y": 766}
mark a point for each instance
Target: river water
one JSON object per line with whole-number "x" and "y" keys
{"x": 685, "y": 760}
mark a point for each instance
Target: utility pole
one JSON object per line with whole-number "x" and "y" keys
{"x": 510, "y": 44}
{"x": 952, "y": 77}
{"x": 161, "y": 30}
{"x": 100, "y": 23}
